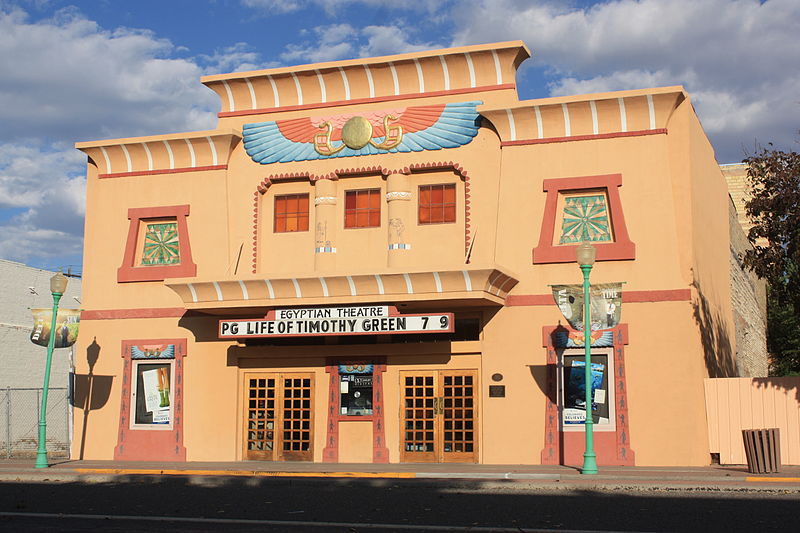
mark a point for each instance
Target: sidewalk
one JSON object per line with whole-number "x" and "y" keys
{"x": 714, "y": 476}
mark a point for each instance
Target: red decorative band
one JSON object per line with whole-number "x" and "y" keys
{"x": 631, "y": 297}
{"x": 355, "y": 101}
{"x": 151, "y": 312}
{"x": 549, "y": 140}
{"x": 162, "y": 171}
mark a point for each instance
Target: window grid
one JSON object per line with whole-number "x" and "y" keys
{"x": 419, "y": 414}
{"x": 291, "y": 213}
{"x": 362, "y": 208}
{"x": 437, "y": 204}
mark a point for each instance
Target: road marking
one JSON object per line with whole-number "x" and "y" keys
{"x": 298, "y": 523}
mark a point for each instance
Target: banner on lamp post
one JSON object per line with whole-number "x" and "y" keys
{"x": 67, "y": 322}
{"x": 606, "y": 304}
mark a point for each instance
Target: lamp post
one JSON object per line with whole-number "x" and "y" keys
{"x": 586, "y": 255}
{"x": 58, "y": 284}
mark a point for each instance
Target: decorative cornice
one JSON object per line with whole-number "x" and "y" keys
{"x": 490, "y": 284}
{"x": 585, "y": 117}
{"x": 162, "y": 154}
{"x": 420, "y": 74}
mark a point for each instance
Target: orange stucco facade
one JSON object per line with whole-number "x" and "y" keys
{"x": 486, "y": 265}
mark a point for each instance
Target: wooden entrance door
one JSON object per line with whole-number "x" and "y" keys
{"x": 279, "y": 416}
{"x": 439, "y": 416}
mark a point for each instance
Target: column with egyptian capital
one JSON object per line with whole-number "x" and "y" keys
{"x": 400, "y": 225}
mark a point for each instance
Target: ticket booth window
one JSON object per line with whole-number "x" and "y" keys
{"x": 355, "y": 389}
{"x": 573, "y": 392}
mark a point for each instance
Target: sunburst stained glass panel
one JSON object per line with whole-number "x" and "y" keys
{"x": 161, "y": 244}
{"x": 585, "y": 218}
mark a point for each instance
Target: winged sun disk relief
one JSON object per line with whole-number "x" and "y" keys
{"x": 410, "y": 129}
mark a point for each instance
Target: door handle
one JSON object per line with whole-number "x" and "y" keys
{"x": 438, "y": 405}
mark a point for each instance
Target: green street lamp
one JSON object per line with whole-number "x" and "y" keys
{"x": 58, "y": 285}
{"x": 586, "y": 254}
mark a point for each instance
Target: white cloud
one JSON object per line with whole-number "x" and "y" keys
{"x": 275, "y": 6}
{"x": 238, "y": 57}
{"x": 342, "y": 41}
{"x": 738, "y": 59}
{"x": 27, "y": 169}
{"x": 28, "y": 244}
{"x": 385, "y": 40}
{"x": 336, "y": 7}
{"x": 68, "y": 79}
{"x": 327, "y": 43}
{"x": 65, "y": 80}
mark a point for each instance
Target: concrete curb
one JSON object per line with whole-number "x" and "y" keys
{"x": 681, "y": 481}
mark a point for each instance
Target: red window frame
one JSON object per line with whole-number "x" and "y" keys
{"x": 621, "y": 249}
{"x": 129, "y": 271}
{"x": 437, "y": 204}
{"x": 291, "y": 213}
{"x": 362, "y": 208}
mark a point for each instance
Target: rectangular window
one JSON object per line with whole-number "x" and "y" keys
{"x": 362, "y": 209}
{"x": 291, "y": 213}
{"x": 355, "y": 388}
{"x": 152, "y": 394}
{"x": 437, "y": 204}
{"x": 161, "y": 244}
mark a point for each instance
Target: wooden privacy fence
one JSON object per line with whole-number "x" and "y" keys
{"x": 734, "y": 404}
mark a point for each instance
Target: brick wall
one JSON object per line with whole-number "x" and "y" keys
{"x": 749, "y": 299}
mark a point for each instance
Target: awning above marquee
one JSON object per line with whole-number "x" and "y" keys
{"x": 471, "y": 286}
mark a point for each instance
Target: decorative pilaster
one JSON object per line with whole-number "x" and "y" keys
{"x": 330, "y": 454}
{"x": 325, "y": 226}
{"x": 398, "y": 198}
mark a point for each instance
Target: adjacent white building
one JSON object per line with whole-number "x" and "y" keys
{"x": 22, "y": 362}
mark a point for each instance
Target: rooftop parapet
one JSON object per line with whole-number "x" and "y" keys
{"x": 460, "y": 70}
{"x": 586, "y": 116}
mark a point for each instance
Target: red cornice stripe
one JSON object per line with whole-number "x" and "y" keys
{"x": 354, "y": 101}
{"x": 162, "y": 171}
{"x": 549, "y": 140}
{"x": 148, "y": 312}
{"x": 631, "y": 297}
{"x": 668, "y": 295}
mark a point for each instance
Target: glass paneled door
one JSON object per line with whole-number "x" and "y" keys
{"x": 439, "y": 416}
{"x": 279, "y": 416}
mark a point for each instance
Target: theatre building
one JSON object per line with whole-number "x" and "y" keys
{"x": 357, "y": 265}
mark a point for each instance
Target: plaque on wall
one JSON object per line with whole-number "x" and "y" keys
{"x": 497, "y": 391}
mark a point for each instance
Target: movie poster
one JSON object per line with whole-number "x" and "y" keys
{"x": 67, "y": 322}
{"x": 575, "y": 390}
{"x": 153, "y": 394}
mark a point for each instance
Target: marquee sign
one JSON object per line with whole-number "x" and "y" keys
{"x": 326, "y": 321}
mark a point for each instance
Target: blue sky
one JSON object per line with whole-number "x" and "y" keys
{"x": 84, "y": 70}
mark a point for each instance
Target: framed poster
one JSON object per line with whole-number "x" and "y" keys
{"x": 152, "y": 393}
{"x": 355, "y": 389}
{"x": 572, "y": 382}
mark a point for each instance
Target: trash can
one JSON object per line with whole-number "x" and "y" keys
{"x": 763, "y": 450}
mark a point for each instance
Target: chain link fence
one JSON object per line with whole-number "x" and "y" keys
{"x": 19, "y": 422}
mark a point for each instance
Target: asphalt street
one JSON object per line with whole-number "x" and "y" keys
{"x": 177, "y": 504}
